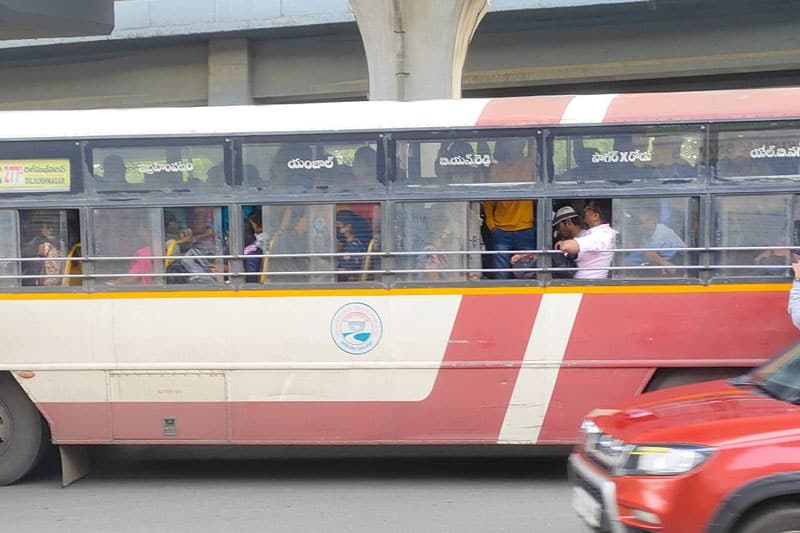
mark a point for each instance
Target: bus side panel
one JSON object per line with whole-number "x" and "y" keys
{"x": 651, "y": 330}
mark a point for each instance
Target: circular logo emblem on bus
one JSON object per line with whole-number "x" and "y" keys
{"x": 356, "y": 328}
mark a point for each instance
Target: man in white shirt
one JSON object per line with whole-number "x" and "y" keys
{"x": 593, "y": 248}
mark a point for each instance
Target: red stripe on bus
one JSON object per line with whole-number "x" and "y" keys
{"x": 465, "y": 404}
{"x": 701, "y": 106}
{"x": 524, "y": 111}
{"x": 657, "y": 327}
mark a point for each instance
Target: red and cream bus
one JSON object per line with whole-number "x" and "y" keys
{"x": 325, "y": 274}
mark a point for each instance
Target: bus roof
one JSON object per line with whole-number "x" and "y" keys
{"x": 527, "y": 111}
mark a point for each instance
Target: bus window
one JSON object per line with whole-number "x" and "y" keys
{"x": 194, "y": 240}
{"x": 752, "y": 221}
{"x": 743, "y": 155}
{"x": 317, "y": 243}
{"x": 177, "y": 168}
{"x": 662, "y": 226}
{"x": 49, "y": 235}
{"x": 9, "y": 248}
{"x": 437, "y": 238}
{"x": 133, "y": 235}
{"x": 467, "y": 162}
{"x": 314, "y": 166}
{"x": 619, "y": 157}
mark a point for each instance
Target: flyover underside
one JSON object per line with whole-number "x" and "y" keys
{"x": 563, "y": 55}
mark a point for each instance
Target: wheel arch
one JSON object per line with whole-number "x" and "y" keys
{"x": 754, "y": 496}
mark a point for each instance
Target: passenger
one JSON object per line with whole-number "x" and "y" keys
{"x": 459, "y": 169}
{"x": 654, "y": 234}
{"x": 794, "y": 293}
{"x": 585, "y": 168}
{"x": 566, "y": 224}
{"x": 510, "y": 222}
{"x": 353, "y": 235}
{"x": 667, "y": 162}
{"x": 441, "y": 240}
{"x": 365, "y": 166}
{"x": 593, "y": 248}
{"x": 255, "y": 246}
{"x": 202, "y": 236}
{"x": 114, "y": 169}
{"x": 142, "y": 267}
{"x": 45, "y": 245}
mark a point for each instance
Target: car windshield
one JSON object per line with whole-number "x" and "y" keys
{"x": 780, "y": 376}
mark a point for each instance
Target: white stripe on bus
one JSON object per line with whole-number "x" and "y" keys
{"x": 535, "y": 382}
{"x": 587, "y": 109}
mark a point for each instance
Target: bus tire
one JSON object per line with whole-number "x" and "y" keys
{"x": 777, "y": 519}
{"x": 22, "y": 432}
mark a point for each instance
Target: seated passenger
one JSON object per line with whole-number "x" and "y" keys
{"x": 585, "y": 168}
{"x": 654, "y": 234}
{"x": 45, "y": 245}
{"x": 140, "y": 269}
{"x": 365, "y": 166}
{"x": 593, "y": 248}
{"x": 255, "y": 246}
{"x": 353, "y": 235}
{"x": 114, "y": 170}
{"x": 667, "y": 162}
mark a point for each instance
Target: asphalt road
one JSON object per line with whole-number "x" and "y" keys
{"x": 146, "y": 491}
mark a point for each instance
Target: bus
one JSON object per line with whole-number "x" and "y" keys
{"x": 382, "y": 273}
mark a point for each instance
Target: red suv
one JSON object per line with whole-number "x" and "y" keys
{"x": 715, "y": 457}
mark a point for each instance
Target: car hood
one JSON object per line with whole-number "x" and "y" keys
{"x": 710, "y": 413}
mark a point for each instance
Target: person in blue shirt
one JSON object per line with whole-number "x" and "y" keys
{"x": 659, "y": 238}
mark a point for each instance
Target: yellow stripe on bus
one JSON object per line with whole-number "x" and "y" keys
{"x": 410, "y": 291}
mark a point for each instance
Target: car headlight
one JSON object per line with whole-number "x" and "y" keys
{"x": 669, "y": 460}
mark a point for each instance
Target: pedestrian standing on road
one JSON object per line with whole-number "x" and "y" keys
{"x": 794, "y": 293}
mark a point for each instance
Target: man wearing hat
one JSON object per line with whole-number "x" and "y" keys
{"x": 594, "y": 247}
{"x": 566, "y": 224}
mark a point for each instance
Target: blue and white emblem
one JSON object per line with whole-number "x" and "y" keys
{"x": 356, "y": 328}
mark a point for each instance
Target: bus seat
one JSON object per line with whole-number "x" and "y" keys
{"x": 72, "y": 267}
{"x": 368, "y": 260}
{"x": 171, "y": 249}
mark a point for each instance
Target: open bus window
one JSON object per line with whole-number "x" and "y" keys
{"x": 440, "y": 241}
{"x": 45, "y": 239}
{"x": 194, "y": 240}
{"x": 175, "y": 168}
{"x": 662, "y": 227}
{"x": 657, "y": 155}
{"x": 50, "y": 237}
{"x": 753, "y": 221}
{"x": 314, "y": 166}
{"x": 318, "y": 243}
{"x": 467, "y": 162}
{"x": 745, "y": 155}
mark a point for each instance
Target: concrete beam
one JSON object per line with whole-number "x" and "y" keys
{"x": 416, "y": 48}
{"x": 229, "y": 72}
{"x": 34, "y": 19}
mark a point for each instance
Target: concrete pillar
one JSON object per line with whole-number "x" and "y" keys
{"x": 416, "y": 48}
{"x": 229, "y": 72}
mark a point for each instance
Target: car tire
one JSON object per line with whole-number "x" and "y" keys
{"x": 781, "y": 519}
{"x": 22, "y": 432}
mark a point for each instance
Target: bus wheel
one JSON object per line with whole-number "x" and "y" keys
{"x": 22, "y": 432}
{"x": 779, "y": 519}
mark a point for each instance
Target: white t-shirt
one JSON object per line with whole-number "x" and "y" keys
{"x": 592, "y": 252}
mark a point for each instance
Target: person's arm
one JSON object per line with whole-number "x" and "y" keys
{"x": 794, "y": 296}
{"x": 488, "y": 213}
